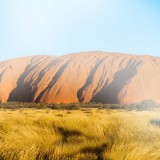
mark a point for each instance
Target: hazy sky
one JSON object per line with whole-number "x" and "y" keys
{"x": 57, "y": 27}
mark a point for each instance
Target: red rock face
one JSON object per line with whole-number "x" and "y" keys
{"x": 83, "y": 77}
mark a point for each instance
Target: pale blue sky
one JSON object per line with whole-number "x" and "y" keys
{"x": 57, "y": 27}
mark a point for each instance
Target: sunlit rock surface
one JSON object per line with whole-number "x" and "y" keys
{"x": 82, "y": 77}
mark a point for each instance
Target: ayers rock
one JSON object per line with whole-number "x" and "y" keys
{"x": 81, "y": 77}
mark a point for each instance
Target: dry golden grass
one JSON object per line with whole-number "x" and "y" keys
{"x": 86, "y": 134}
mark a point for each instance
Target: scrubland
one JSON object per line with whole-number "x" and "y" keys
{"x": 84, "y": 134}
